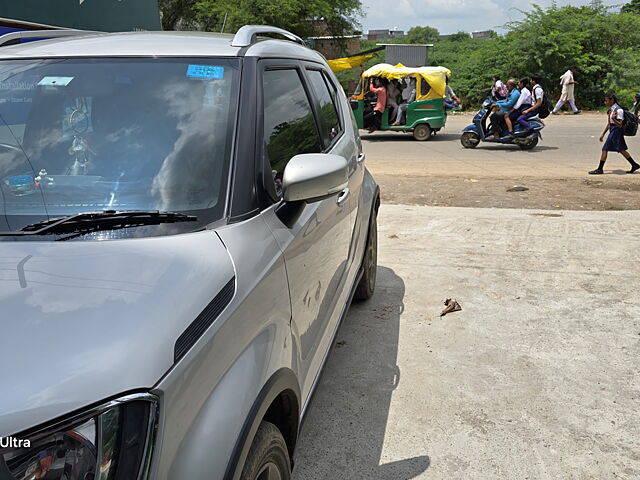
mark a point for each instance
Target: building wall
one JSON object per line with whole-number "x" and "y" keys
{"x": 336, "y": 48}
{"x": 408, "y": 55}
{"x": 483, "y": 34}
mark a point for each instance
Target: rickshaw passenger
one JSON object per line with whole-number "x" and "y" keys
{"x": 408, "y": 96}
{"x": 373, "y": 118}
{"x": 450, "y": 98}
{"x": 393, "y": 90}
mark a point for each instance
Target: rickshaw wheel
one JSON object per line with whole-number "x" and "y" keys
{"x": 422, "y": 132}
{"x": 470, "y": 139}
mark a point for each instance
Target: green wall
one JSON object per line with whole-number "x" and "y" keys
{"x": 104, "y": 15}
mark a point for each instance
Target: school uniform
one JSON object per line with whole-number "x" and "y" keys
{"x": 536, "y": 94}
{"x": 524, "y": 102}
{"x": 615, "y": 141}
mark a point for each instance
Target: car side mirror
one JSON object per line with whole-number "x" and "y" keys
{"x": 313, "y": 176}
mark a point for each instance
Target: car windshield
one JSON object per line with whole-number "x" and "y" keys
{"x": 84, "y": 135}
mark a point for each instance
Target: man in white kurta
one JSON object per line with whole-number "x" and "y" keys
{"x": 568, "y": 84}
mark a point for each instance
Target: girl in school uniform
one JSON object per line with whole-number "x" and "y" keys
{"x": 615, "y": 141}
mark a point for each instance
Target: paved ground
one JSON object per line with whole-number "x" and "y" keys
{"x": 537, "y": 376}
{"x": 442, "y": 172}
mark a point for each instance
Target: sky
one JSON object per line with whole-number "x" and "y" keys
{"x": 450, "y": 16}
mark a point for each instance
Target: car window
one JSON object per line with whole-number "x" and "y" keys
{"x": 289, "y": 125}
{"x": 329, "y": 123}
{"x": 80, "y": 135}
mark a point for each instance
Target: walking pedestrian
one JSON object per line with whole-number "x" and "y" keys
{"x": 615, "y": 141}
{"x": 568, "y": 83}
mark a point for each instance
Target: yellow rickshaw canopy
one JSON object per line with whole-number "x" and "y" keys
{"x": 346, "y": 63}
{"x": 436, "y": 77}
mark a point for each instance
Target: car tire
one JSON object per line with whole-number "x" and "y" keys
{"x": 268, "y": 457}
{"x": 470, "y": 139}
{"x": 422, "y": 132}
{"x": 367, "y": 284}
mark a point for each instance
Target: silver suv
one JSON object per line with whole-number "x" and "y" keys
{"x": 185, "y": 220}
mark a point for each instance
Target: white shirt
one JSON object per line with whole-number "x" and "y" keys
{"x": 524, "y": 99}
{"x": 565, "y": 81}
{"x": 617, "y": 112}
{"x": 566, "y": 78}
{"x": 537, "y": 94}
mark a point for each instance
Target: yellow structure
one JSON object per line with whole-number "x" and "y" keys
{"x": 346, "y": 63}
{"x": 436, "y": 77}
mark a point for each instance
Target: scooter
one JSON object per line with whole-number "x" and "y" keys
{"x": 479, "y": 131}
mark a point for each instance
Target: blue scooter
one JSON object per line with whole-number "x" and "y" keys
{"x": 479, "y": 131}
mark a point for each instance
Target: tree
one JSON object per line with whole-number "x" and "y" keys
{"x": 632, "y": 7}
{"x": 422, "y": 35}
{"x": 298, "y": 16}
{"x": 179, "y": 15}
{"x": 458, "y": 36}
{"x": 548, "y": 42}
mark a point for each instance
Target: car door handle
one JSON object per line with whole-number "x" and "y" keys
{"x": 344, "y": 194}
{"x": 361, "y": 157}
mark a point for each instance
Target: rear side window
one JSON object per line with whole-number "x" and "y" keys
{"x": 329, "y": 120}
{"x": 289, "y": 125}
{"x": 425, "y": 88}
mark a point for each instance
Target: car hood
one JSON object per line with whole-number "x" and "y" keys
{"x": 83, "y": 321}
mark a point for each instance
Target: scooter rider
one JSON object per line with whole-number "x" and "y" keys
{"x": 537, "y": 95}
{"x": 524, "y": 102}
{"x": 504, "y": 106}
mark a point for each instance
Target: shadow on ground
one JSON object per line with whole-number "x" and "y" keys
{"x": 343, "y": 435}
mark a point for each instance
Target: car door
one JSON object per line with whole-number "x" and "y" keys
{"x": 337, "y": 131}
{"x": 315, "y": 236}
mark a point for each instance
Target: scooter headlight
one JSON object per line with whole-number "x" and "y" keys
{"x": 111, "y": 442}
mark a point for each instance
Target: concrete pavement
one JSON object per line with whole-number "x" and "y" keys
{"x": 537, "y": 376}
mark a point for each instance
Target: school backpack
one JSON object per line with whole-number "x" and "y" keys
{"x": 629, "y": 124}
{"x": 545, "y": 108}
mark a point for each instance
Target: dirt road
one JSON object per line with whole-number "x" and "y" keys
{"x": 441, "y": 172}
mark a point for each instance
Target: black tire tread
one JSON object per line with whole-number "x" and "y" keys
{"x": 267, "y": 444}
{"x": 365, "y": 289}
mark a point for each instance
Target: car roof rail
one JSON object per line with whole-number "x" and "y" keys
{"x": 246, "y": 35}
{"x": 13, "y": 36}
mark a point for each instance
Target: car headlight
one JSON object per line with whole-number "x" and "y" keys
{"x": 111, "y": 442}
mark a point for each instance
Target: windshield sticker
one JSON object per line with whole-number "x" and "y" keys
{"x": 205, "y": 71}
{"x": 20, "y": 185}
{"x": 55, "y": 81}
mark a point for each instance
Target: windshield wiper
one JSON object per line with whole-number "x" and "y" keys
{"x": 89, "y": 222}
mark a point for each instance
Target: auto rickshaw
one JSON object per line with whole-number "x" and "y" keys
{"x": 425, "y": 116}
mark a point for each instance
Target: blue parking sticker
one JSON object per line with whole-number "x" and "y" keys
{"x": 205, "y": 71}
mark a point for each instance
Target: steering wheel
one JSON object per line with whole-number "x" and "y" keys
{"x": 6, "y": 146}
